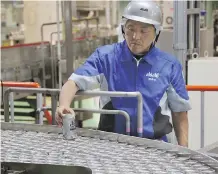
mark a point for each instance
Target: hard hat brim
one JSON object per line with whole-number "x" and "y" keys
{"x": 143, "y": 20}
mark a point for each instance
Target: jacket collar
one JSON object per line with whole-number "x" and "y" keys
{"x": 128, "y": 56}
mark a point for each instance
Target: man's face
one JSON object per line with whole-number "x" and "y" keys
{"x": 139, "y": 36}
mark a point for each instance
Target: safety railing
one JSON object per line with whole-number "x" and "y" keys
{"x": 99, "y": 111}
{"x": 55, "y": 92}
{"x": 39, "y": 101}
{"x": 202, "y": 89}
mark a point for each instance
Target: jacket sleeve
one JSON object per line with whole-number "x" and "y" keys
{"x": 88, "y": 75}
{"x": 177, "y": 94}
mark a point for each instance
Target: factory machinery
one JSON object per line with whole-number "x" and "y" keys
{"x": 41, "y": 148}
{"x": 45, "y": 62}
{"x": 25, "y": 62}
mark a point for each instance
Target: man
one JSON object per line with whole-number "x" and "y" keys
{"x": 135, "y": 65}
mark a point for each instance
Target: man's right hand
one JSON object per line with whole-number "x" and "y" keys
{"x": 61, "y": 110}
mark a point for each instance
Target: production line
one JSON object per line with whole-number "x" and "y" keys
{"x": 103, "y": 153}
{"x": 44, "y": 149}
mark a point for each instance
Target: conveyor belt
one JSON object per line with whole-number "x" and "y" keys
{"x": 102, "y": 152}
{"x": 211, "y": 150}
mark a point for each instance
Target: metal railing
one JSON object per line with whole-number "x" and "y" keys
{"x": 202, "y": 89}
{"x": 55, "y": 92}
{"x": 25, "y": 85}
{"x": 99, "y": 111}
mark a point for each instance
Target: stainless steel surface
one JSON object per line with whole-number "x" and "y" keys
{"x": 88, "y": 93}
{"x": 102, "y": 152}
{"x": 26, "y": 64}
{"x": 211, "y": 150}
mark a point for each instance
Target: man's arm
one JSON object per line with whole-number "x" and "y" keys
{"x": 66, "y": 97}
{"x": 180, "y": 124}
{"x": 86, "y": 77}
{"x": 179, "y": 104}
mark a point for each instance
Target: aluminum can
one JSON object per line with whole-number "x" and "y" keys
{"x": 69, "y": 127}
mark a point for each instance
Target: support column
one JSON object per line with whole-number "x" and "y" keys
{"x": 180, "y": 32}
{"x": 68, "y": 44}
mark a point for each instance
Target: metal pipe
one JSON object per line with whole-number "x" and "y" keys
{"x": 59, "y": 44}
{"x": 39, "y": 105}
{"x": 43, "y": 61}
{"x": 41, "y": 110}
{"x": 191, "y": 27}
{"x": 42, "y": 44}
{"x": 89, "y": 93}
{"x": 74, "y": 20}
{"x": 53, "y": 61}
{"x": 140, "y": 114}
{"x": 100, "y": 111}
{"x": 53, "y": 106}
{"x": 202, "y": 119}
{"x": 11, "y": 96}
{"x": 201, "y": 88}
{"x": 20, "y": 84}
{"x": 6, "y": 104}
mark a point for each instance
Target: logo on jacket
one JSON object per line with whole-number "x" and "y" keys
{"x": 152, "y": 76}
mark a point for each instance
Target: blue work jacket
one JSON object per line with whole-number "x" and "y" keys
{"x": 157, "y": 76}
